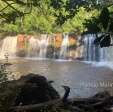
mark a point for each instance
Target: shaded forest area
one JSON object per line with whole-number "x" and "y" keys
{"x": 50, "y": 16}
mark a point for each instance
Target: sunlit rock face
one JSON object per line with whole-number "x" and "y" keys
{"x": 58, "y": 40}
{"x": 74, "y": 48}
{"x": 21, "y": 41}
{"x": 21, "y": 45}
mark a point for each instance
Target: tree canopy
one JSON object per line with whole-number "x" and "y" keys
{"x": 48, "y": 16}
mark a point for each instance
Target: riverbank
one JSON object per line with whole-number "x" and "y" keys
{"x": 32, "y": 93}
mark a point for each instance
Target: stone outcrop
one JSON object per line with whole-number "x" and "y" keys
{"x": 35, "y": 89}
{"x": 29, "y": 89}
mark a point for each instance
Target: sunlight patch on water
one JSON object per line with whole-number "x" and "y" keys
{"x": 36, "y": 58}
{"x": 63, "y": 60}
{"x": 56, "y": 60}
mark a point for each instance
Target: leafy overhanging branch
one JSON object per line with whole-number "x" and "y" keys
{"x": 20, "y": 13}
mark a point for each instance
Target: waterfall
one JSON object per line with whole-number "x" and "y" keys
{"x": 33, "y": 48}
{"x": 64, "y": 46}
{"x": 47, "y": 46}
{"x": 95, "y": 55}
{"x": 109, "y": 54}
{"x": 9, "y": 47}
{"x": 43, "y": 45}
{"x": 38, "y": 46}
{"x": 92, "y": 52}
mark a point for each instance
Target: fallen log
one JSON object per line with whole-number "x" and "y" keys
{"x": 75, "y": 109}
{"x": 98, "y": 98}
{"x": 85, "y": 100}
{"x": 105, "y": 102}
{"x": 36, "y": 106}
{"x": 93, "y": 102}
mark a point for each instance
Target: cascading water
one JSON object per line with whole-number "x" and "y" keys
{"x": 43, "y": 45}
{"x": 80, "y": 48}
{"x": 91, "y": 51}
{"x": 14, "y": 46}
{"x": 33, "y": 48}
{"x": 9, "y": 47}
{"x": 109, "y": 54}
{"x": 40, "y": 47}
{"x": 64, "y": 46}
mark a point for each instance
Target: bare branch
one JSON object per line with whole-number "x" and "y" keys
{"x": 18, "y": 11}
{"x": 35, "y": 106}
{"x": 110, "y": 5}
{"x": 10, "y": 5}
{"x": 5, "y": 7}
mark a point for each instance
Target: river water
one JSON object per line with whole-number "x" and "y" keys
{"x": 83, "y": 79}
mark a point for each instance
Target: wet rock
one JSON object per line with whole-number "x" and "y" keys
{"x": 103, "y": 94}
{"x": 29, "y": 89}
{"x": 7, "y": 64}
{"x": 35, "y": 89}
{"x": 101, "y": 102}
{"x": 104, "y": 40}
{"x": 21, "y": 53}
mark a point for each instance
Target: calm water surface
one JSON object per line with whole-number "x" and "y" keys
{"x": 83, "y": 79}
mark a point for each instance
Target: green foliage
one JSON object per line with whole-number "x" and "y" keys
{"x": 102, "y": 22}
{"x": 92, "y": 25}
{"x": 77, "y": 23}
{"x": 8, "y": 95}
{"x": 104, "y": 18}
{"x": 7, "y": 88}
{"x": 3, "y": 74}
{"x": 11, "y": 28}
{"x": 48, "y": 16}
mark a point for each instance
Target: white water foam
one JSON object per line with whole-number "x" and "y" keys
{"x": 101, "y": 64}
{"x": 63, "y": 60}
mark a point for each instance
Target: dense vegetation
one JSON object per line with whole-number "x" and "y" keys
{"x": 49, "y": 16}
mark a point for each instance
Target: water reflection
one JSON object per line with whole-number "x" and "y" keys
{"x": 70, "y": 73}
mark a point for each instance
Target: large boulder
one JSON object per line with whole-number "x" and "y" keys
{"x": 104, "y": 40}
{"x": 29, "y": 89}
{"x": 35, "y": 89}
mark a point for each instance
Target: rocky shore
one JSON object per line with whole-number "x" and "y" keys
{"x": 34, "y": 93}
